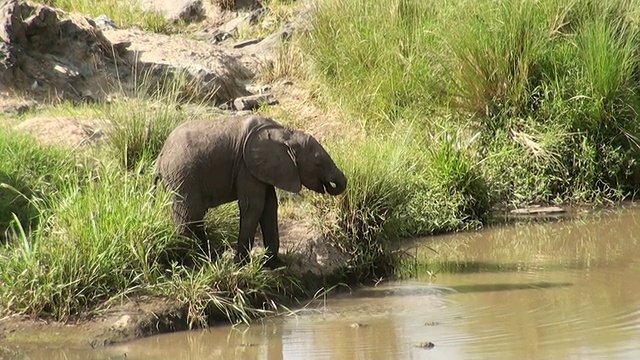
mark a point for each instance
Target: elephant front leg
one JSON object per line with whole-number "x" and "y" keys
{"x": 251, "y": 206}
{"x": 269, "y": 226}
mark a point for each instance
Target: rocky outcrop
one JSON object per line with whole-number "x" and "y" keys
{"x": 207, "y": 72}
{"x": 49, "y": 54}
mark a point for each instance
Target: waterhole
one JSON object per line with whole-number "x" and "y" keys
{"x": 567, "y": 289}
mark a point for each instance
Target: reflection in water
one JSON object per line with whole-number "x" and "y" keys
{"x": 560, "y": 290}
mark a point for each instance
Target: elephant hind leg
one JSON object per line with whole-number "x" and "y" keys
{"x": 189, "y": 220}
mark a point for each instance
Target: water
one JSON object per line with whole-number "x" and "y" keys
{"x": 561, "y": 290}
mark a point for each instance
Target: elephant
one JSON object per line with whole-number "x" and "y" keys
{"x": 206, "y": 163}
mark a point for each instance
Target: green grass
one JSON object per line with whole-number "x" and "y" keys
{"x": 550, "y": 86}
{"x": 397, "y": 189}
{"x": 123, "y": 13}
{"x": 104, "y": 235}
{"x": 28, "y": 172}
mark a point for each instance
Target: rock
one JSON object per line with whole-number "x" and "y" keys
{"x": 63, "y": 131}
{"x": 121, "y": 47}
{"x": 253, "y": 101}
{"x": 357, "y": 325}
{"x": 244, "y": 43}
{"x": 48, "y": 52}
{"x": 176, "y": 10}
{"x": 13, "y": 106}
{"x": 425, "y": 345}
{"x": 238, "y": 4}
{"x": 538, "y": 210}
{"x": 231, "y": 27}
{"x": 203, "y": 71}
{"x": 258, "y": 89}
{"x": 264, "y": 52}
{"x": 103, "y": 23}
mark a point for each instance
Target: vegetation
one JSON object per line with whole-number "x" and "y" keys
{"x": 103, "y": 234}
{"x": 123, "y": 13}
{"x": 549, "y": 88}
{"x": 463, "y": 105}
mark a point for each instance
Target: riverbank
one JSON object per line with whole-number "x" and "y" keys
{"x": 432, "y": 128}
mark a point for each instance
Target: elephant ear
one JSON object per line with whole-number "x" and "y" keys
{"x": 269, "y": 158}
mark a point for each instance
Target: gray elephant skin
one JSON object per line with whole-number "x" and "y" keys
{"x": 206, "y": 163}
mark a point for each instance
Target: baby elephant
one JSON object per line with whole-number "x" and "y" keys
{"x": 211, "y": 162}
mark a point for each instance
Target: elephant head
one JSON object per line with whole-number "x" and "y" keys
{"x": 288, "y": 159}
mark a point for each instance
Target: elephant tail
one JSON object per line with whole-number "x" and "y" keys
{"x": 156, "y": 179}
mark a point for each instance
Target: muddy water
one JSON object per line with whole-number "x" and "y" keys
{"x": 560, "y": 290}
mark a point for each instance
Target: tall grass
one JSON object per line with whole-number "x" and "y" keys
{"x": 397, "y": 189}
{"x": 138, "y": 127}
{"x": 27, "y": 175}
{"x": 98, "y": 239}
{"x": 374, "y": 56}
{"x": 106, "y": 235}
{"x": 551, "y": 86}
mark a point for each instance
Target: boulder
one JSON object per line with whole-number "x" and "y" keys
{"x": 230, "y": 28}
{"x": 50, "y": 53}
{"x": 103, "y": 23}
{"x": 238, "y": 4}
{"x": 253, "y": 102}
{"x": 206, "y": 71}
{"x": 176, "y": 10}
{"x": 69, "y": 132}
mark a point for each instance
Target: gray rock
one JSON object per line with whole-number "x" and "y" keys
{"x": 231, "y": 27}
{"x": 104, "y": 23}
{"x": 205, "y": 72}
{"x": 57, "y": 54}
{"x": 18, "y": 107}
{"x": 252, "y": 102}
{"x": 258, "y": 89}
{"x": 247, "y": 4}
{"x": 244, "y": 43}
{"x": 538, "y": 210}
{"x": 176, "y": 10}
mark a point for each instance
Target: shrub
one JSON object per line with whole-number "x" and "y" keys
{"x": 399, "y": 187}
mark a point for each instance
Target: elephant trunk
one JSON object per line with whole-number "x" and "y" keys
{"x": 336, "y": 184}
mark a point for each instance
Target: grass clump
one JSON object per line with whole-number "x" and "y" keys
{"x": 27, "y": 174}
{"x": 101, "y": 237}
{"x": 373, "y": 55}
{"x": 123, "y": 13}
{"x": 397, "y": 189}
{"x": 139, "y": 127}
